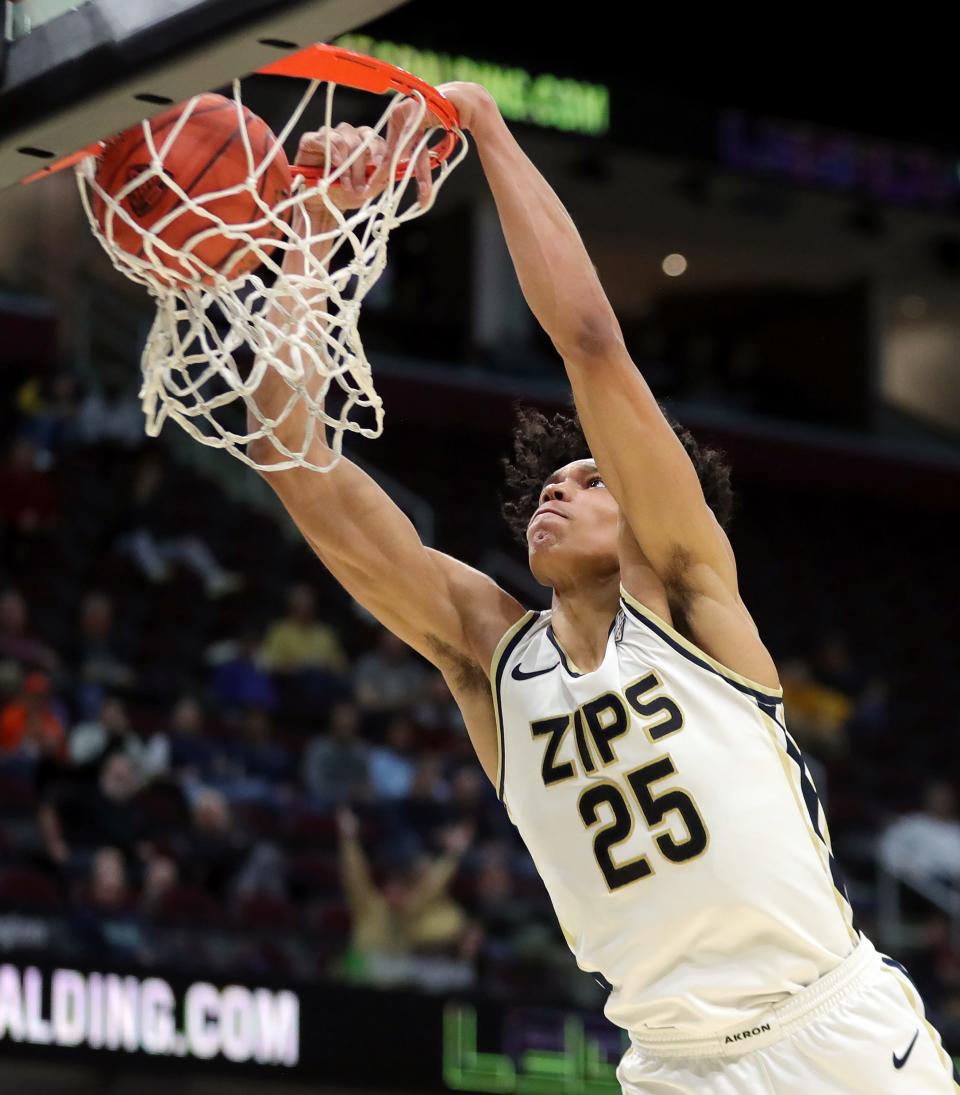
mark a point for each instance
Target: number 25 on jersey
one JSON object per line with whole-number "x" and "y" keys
{"x": 597, "y": 724}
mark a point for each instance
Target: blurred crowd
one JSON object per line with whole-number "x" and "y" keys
{"x": 210, "y": 757}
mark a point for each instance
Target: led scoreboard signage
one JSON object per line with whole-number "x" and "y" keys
{"x": 554, "y": 102}
{"x": 811, "y": 155}
{"x": 311, "y": 1033}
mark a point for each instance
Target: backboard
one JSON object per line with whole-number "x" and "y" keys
{"x": 71, "y": 77}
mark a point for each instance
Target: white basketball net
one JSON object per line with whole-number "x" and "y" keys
{"x": 211, "y": 344}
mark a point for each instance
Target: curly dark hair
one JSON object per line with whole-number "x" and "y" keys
{"x": 541, "y": 444}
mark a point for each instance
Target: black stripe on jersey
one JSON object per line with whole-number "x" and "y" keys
{"x": 839, "y": 880}
{"x": 810, "y": 798}
{"x": 807, "y": 788}
{"x": 753, "y": 693}
{"x": 896, "y": 965}
{"x": 501, "y": 666}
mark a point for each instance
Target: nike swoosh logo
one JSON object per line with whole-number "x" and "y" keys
{"x": 519, "y": 675}
{"x": 899, "y": 1062}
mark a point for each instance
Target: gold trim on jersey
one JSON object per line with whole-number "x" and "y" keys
{"x": 695, "y": 651}
{"x": 502, "y": 647}
{"x": 820, "y": 846}
{"x": 916, "y": 1004}
{"x": 571, "y": 665}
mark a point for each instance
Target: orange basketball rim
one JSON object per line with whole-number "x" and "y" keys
{"x": 330, "y": 64}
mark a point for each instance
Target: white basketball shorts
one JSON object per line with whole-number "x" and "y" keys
{"x": 860, "y": 1030}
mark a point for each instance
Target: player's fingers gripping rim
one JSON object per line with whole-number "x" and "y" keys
{"x": 424, "y": 175}
{"x": 362, "y": 167}
{"x": 402, "y": 133}
{"x": 313, "y": 147}
{"x": 327, "y": 149}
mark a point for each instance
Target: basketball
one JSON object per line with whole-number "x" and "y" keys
{"x": 207, "y": 156}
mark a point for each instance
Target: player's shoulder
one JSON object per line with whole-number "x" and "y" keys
{"x": 487, "y": 613}
{"x": 715, "y": 632}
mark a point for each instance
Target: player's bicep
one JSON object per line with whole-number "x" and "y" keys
{"x": 430, "y": 600}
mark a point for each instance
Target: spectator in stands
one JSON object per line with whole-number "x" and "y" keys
{"x": 91, "y": 741}
{"x": 926, "y": 844}
{"x": 411, "y": 910}
{"x": 438, "y": 710}
{"x": 497, "y": 907}
{"x": 153, "y": 539}
{"x": 217, "y": 848}
{"x": 107, "y": 888}
{"x": 817, "y": 713}
{"x": 392, "y": 766}
{"x": 95, "y": 659}
{"x": 193, "y": 756}
{"x": 16, "y": 643}
{"x": 336, "y": 765}
{"x": 238, "y": 680}
{"x": 105, "y": 918}
{"x": 259, "y": 766}
{"x": 32, "y": 725}
{"x": 264, "y": 872}
{"x": 426, "y": 809}
{"x": 871, "y": 722}
{"x": 160, "y": 877}
{"x": 474, "y": 801}
{"x": 299, "y": 640}
{"x": 49, "y": 408}
{"x": 79, "y": 815}
{"x": 836, "y": 667}
{"x": 390, "y": 678}
{"x": 29, "y": 501}
{"x": 304, "y": 652}
{"x": 110, "y": 415}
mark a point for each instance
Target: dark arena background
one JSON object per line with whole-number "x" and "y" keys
{"x": 187, "y": 697}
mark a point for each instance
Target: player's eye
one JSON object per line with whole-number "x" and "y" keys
{"x": 594, "y": 480}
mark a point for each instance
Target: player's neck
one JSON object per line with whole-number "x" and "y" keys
{"x": 581, "y": 618}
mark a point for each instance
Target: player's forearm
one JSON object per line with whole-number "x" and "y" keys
{"x": 357, "y": 882}
{"x": 435, "y": 881}
{"x": 556, "y": 275}
{"x": 288, "y": 313}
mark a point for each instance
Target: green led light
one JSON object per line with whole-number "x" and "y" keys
{"x": 574, "y": 1068}
{"x": 545, "y": 100}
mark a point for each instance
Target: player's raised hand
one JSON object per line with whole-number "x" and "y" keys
{"x": 472, "y": 101}
{"x": 347, "y": 823}
{"x": 358, "y": 182}
{"x": 457, "y": 838}
{"x": 407, "y": 139}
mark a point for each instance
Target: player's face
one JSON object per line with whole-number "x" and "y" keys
{"x": 574, "y": 531}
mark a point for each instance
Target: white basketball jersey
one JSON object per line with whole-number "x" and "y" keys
{"x": 673, "y": 821}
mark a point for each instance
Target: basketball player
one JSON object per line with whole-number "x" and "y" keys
{"x": 635, "y": 731}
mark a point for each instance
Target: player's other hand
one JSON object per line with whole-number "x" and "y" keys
{"x": 457, "y": 838}
{"x": 363, "y": 179}
{"x": 410, "y": 125}
{"x": 347, "y": 823}
{"x": 473, "y": 101}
